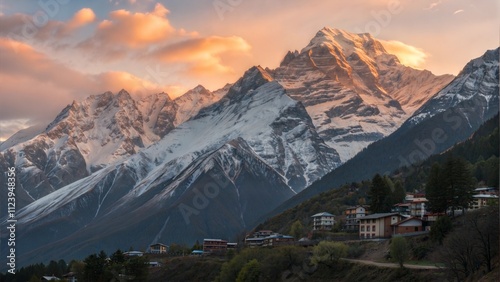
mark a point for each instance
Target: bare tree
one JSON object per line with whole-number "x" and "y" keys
{"x": 484, "y": 226}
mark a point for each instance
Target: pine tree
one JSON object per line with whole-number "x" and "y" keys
{"x": 435, "y": 190}
{"x": 458, "y": 182}
{"x": 379, "y": 192}
{"x": 398, "y": 194}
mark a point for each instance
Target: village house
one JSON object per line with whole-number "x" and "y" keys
{"x": 483, "y": 200}
{"x": 414, "y": 205}
{"x": 262, "y": 234}
{"x": 158, "y": 248}
{"x": 257, "y": 238}
{"x": 214, "y": 246}
{"x": 267, "y": 238}
{"x": 70, "y": 277}
{"x": 377, "y": 225}
{"x": 408, "y": 225}
{"x": 323, "y": 221}
{"x": 232, "y": 246}
{"x": 217, "y": 246}
{"x": 254, "y": 241}
{"x": 483, "y": 197}
{"x": 401, "y": 208}
{"x": 352, "y": 216}
{"x": 486, "y": 191}
{"x": 278, "y": 240}
{"x": 417, "y": 207}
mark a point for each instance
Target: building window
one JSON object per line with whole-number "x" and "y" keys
{"x": 373, "y": 228}
{"x": 363, "y": 228}
{"x": 368, "y": 228}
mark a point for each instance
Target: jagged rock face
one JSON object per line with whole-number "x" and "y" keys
{"x": 89, "y": 135}
{"x": 158, "y": 112}
{"x": 354, "y": 91}
{"x": 83, "y": 138}
{"x": 476, "y": 86}
{"x": 196, "y": 99}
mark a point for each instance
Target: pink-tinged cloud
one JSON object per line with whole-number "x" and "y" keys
{"x": 203, "y": 56}
{"x": 37, "y": 88}
{"x": 134, "y": 30}
{"x": 408, "y": 55}
{"x": 81, "y": 18}
{"x": 22, "y": 27}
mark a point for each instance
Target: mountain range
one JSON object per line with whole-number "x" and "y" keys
{"x": 114, "y": 170}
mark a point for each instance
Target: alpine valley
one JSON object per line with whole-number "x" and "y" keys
{"x": 114, "y": 170}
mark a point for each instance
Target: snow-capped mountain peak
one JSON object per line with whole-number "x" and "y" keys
{"x": 354, "y": 91}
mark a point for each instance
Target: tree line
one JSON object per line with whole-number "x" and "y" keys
{"x": 449, "y": 186}
{"x": 97, "y": 267}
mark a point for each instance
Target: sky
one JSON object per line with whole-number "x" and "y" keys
{"x": 55, "y": 51}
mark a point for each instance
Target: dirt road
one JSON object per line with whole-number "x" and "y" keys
{"x": 393, "y": 265}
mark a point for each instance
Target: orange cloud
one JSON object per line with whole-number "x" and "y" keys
{"x": 81, "y": 18}
{"x": 36, "y": 87}
{"x": 203, "y": 55}
{"x": 134, "y": 29}
{"x": 408, "y": 55}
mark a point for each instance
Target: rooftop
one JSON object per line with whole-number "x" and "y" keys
{"x": 485, "y": 188}
{"x": 379, "y": 215}
{"x": 159, "y": 244}
{"x": 279, "y": 236}
{"x": 406, "y": 220}
{"x": 322, "y": 214}
{"x": 485, "y": 196}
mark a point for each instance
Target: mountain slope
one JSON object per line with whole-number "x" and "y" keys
{"x": 256, "y": 140}
{"x": 190, "y": 103}
{"x": 89, "y": 135}
{"x": 83, "y": 138}
{"x": 415, "y": 141}
{"x": 355, "y": 92}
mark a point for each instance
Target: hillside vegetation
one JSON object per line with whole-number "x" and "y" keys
{"x": 480, "y": 152}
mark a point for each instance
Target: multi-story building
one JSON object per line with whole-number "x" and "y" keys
{"x": 483, "y": 200}
{"x": 418, "y": 207}
{"x": 323, "y": 221}
{"x": 378, "y": 225}
{"x": 158, "y": 248}
{"x": 214, "y": 246}
{"x": 352, "y": 216}
{"x": 278, "y": 240}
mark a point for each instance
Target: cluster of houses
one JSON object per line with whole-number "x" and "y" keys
{"x": 411, "y": 216}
